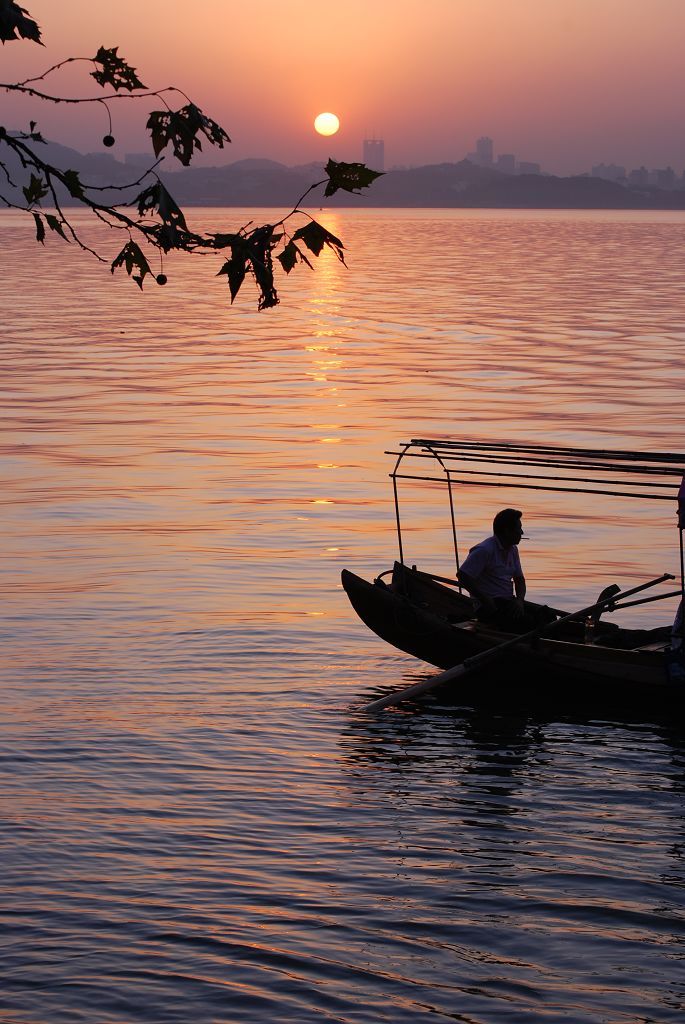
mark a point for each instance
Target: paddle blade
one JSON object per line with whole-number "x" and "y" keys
{"x": 390, "y": 699}
{"x": 611, "y": 591}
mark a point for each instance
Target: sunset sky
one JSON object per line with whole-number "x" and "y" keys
{"x": 567, "y": 83}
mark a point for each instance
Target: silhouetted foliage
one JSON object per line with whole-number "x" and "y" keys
{"x": 147, "y": 212}
{"x": 16, "y": 24}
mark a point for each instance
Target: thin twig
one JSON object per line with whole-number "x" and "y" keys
{"x": 55, "y": 67}
{"x": 16, "y": 87}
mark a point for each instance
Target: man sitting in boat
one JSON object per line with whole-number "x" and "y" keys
{"x": 493, "y": 576}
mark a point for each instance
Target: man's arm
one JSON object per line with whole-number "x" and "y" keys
{"x": 471, "y": 584}
{"x": 520, "y": 591}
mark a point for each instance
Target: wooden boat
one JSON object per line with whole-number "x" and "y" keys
{"x": 427, "y": 616}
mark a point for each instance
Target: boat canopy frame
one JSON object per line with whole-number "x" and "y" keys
{"x": 654, "y": 476}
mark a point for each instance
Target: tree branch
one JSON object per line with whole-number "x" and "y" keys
{"x": 160, "y": 221}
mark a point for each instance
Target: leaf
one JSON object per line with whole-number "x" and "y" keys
{"x": 235, "y": 269}
{"x": 173, "y": 232}
{"x": 290, "y": 256}
{"x": 40, "y": 228}
{"x": 73, "y": 183}
{"x": 315, "y": 236}
{"x": 166, "y": 237}
{"x": 223, "y": 241}
{"x": 35, "y": 190}
{"x": 180, "y": 128}
{"x": 259, "y": 245}
{"x": 33, "y": 135}
{"x": 55, "y": 225}
{"x": 169, "y": 210}
{"x": 253, "y": 252}
{"x": 115, "y": 71}
{"x": 349, "y": 177}
{"x": 15, "y": 24}
{"x": 158, "y": 198}
{"x": 147, "y": 199}
{"x": 133, "y": 258}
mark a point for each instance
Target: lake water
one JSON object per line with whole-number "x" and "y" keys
{"x": 198, "y": 821}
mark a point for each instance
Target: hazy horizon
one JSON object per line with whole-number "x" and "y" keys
{"x": 567, "y": 85}
{"x": 218, "y": 159}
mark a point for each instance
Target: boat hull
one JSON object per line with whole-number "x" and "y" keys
{"x": 426, "y": 620}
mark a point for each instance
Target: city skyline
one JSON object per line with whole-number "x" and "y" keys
{"x": 568, "y": 85}
{"x": 372, "y": 152}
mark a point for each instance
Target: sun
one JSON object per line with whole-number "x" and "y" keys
{"x": 326, "y": 124}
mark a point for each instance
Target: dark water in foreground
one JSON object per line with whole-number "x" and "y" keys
{"x": 198, "y": 821}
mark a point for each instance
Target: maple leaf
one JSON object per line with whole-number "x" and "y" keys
{"x": 73, "y": 184}
{"x": 181, "y": 128}
{"x": 315, "y": 236}
{"x": 349, "y": 177}
{"x": 156, "y": 197}
{"x": 235, "y": 270}
{"x": 173, "y": 232}
{"x": 133, "y": 258}
{"x": 290, "y": 256}
{"x": 55, "y": 224}
{"x": 253, "y": 252}
{"x": 35, "y": 190}
{"x": 115, "y": 71}
{"x": 15, "y": 23}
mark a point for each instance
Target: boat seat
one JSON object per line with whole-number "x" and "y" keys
{"x": 635, "y": 639}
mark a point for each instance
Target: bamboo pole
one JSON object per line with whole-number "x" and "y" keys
{"x": 541, "y": 449}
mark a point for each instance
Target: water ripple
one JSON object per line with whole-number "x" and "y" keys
{"x": 197, "y": 821}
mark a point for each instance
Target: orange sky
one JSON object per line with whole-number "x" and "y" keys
{"x": 567, "y": 83}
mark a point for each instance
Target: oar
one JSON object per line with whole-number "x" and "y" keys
{"x": 471, "y": 664}
{"x": 618, "y": 605}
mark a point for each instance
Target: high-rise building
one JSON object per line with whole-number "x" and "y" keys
{"x": 482, "y": 155}
{"x": 374, "y": 154}
{"x": 484, "y": 151}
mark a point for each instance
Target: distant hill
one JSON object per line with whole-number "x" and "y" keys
{"x": 463, "y": 184}
{"x": 536, "y": 191}
{"x": 253, "y": 163}
{"x": 263, "y": 182}
{"x": 245, "y": 183}
{"x": 93, "y": 168}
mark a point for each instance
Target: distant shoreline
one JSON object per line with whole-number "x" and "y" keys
{"x": 464, "y": 185}
{"x": 370, "y": 207}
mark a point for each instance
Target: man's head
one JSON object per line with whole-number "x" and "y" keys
{"x": 506, "y": 526}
